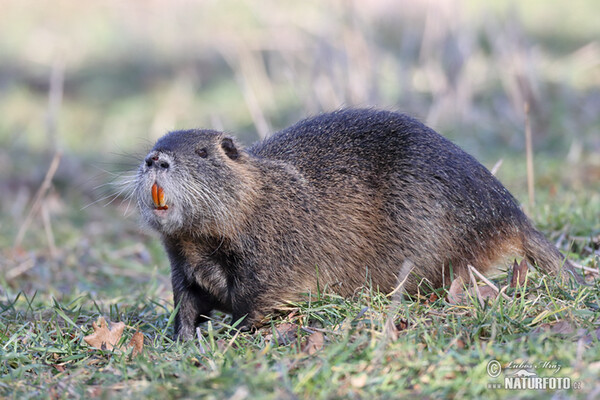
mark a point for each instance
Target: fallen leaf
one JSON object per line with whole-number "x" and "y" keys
{"x": 590, "y": 337}
{"x": 519, "y": 273}
{"x": 487, "y": 292}
{"x": 104, "y": 338}
{"x": 567, "y": 330}
{"x": 432, "y": 298}
{"x": 59, "y": 368}
{"x": 561, "y": 327}
{"x": 456, "y": 293}
{"x": 285, "y": 333}
{"x": 314, "y": 343}
{"x": 402, "y": 325}
{"x": 137, "y": 342}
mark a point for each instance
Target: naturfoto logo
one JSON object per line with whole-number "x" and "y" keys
{"x": 521, "y": 376}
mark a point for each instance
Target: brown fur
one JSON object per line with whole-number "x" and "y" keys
{"x": 343, "y": 200}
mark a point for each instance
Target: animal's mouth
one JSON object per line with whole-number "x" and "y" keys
{"x": 158, "y": 197}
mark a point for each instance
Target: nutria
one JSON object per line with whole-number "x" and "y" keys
{"x": 342, "y": 200}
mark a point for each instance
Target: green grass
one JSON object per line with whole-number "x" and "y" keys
{"x": 444, "y": 350}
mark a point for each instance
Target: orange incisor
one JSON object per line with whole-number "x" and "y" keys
{"x": 158, "y": 197}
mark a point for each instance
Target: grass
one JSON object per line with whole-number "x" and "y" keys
{"x": 443, "y": 351}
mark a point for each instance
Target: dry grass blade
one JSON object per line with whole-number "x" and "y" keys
{"x": 20, "y": 269}
{"x": 407, "y": 268}
{"x": 475, "y": 287}
{"x": 39, "y": 197}
{"x": 48, "y": 229}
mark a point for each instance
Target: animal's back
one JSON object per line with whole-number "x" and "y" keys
{"x": 438, "y": 208}
{"x": 346, "y": 143}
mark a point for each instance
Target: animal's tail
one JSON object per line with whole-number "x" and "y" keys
{"x": 538, "y": 250}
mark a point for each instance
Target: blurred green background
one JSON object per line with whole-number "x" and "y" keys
{"x": 102, "y": 80}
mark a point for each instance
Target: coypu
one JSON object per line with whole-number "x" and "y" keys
{"x": 342, "y": 200}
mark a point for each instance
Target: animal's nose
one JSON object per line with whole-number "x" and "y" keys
{"x": 157, "y": 160}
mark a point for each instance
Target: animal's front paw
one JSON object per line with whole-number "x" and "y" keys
{"x": 244, "y": 323}
{"x": 185, "y": 333}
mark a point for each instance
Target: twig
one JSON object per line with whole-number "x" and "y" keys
{"x": 48, "y": 230}
{"x": 529, "y": 155}
{"x": 489, "y": 283}
{"x": 231, "y": 342}
{"x": 39, "y": 196}
{"x": 474, "y": 283}
{"x": 586, "y": 269}
{"x": 400, "y": 285}
{"x": 20, "y": 269}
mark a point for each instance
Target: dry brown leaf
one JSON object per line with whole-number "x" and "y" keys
{"x": 402, "y": 325}
{"x": 432, "y": 298}
{"x": 590, "y": 336}
{"x": 59, "y": 368}
{"x": 456, "y": 293}
{"x": 314, "y": 343}
{"x": 137, "y": 342}
{"x": 487, "y": 292}
{"x": 567, "y": 329}
{"x": 561, "y": 327}
{"x": 519, "y": 273}
{"x": 286, "y": 333}
{"x": 104, "y": 338}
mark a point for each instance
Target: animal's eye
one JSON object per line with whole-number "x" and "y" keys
{"x": 202, "y": 152}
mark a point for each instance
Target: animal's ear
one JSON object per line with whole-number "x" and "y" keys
{"x": 230, "y": 148}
